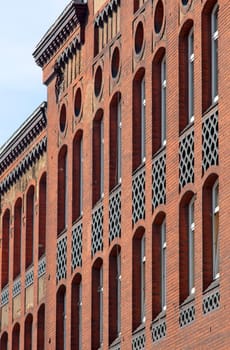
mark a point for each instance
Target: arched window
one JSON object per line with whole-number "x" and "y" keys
{"x": 62, "y": 189}
{"x": 76, "y": 313}
{"x": 186, "y": 246}
{"x": 17, "y": 237}
{"x": 16, "y": 337}
{"x": 42, "y": 216}
{"x": 77, "y": 176}
{"x": 30, "y": 226}
{"x": 209, "y": 54}
{"x": 5, "y": 248}
{"x": 97, "y": 305}
{"x": 114, "y": 294}
{"x": 138, "y": 284}
{"x": 98, "y": 157}
{"x": 28, "y": 333}
{"x": 41, "y": 328}
{"x": 139, "y": 129}
{"x": 186, "y": 75}
{"x": 159, "y": 265}
{"x": 4, "y": 342}
{"x": 159, "y": 101}
{"x": 210, "y": 230}
{"x": 115, "y": 142}
{"x": 61, "y": 319}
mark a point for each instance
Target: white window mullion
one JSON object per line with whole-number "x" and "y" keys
{"x": 215, "y": 229}
{"x": 163, "y": 102}
{"x": 214, "y": 54}
{"x": 102, "y": 158}
{"x": 119, "y": 125}
{"x": 191, "y": 76}
{"x": 143, "y": 259}
{"x": 143, "y": 130}
{"x": 163, "y": 265}
{"x": 191, "y": 229}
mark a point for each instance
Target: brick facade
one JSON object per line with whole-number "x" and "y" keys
{"x": 118, "y": 196}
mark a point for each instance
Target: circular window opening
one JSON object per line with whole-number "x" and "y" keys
{"x": 115, "y": 62}
{"x": 184, "y": 2}
{"x": 159, "y": 15}
{"x": 139, "y": 38}
{"x": 62, "y": 121}
{"x": 78, "y": 102}
{"x": 98, "y": 81}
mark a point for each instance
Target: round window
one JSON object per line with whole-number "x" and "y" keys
{"x": 98, "y": 81}
{"x": 62, "y": 120}
{"x": 139, "y": 38}
{"x": 159, "y": 16}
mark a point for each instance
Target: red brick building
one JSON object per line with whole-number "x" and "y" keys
{"x": 115, "y": 194}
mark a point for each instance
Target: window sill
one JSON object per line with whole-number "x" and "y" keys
{"x": 213, "y": 285}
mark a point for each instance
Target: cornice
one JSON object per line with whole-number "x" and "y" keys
{"x": 26, "y": 163}
{"x": 72, "y": 16}
{"x": 104, "y": 13}
{"x": 23, "y": 137}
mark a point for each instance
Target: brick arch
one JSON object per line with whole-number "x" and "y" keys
{"x": 16, "y": 337}
{"x": 41, "y": 328}
{"x": 62, "y": 189}
{"x": 76, "y": 311}
{"x": 17, "y": 237}
{"x": 28, "y": 332}
{"x": 5, "y": 248}
{"x": 60, "y": 317}
{"x": 157, "y": 301}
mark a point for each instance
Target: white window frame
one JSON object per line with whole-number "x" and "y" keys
{"x": 215, "y": 226}
{"x": 191, "y": 76}
{"x": 66, "y": 189}
{"x": 102, "y": 158}
{"x": 64, "y": 321}
{"x": 143, "y": 260}
{"x": 163, "y": 101}
{"x": 80, "y": 316}
{"x": 191, "y": 231}
{"x": 118, "y": 257}
{"x": 143, "y": 119}
{"x": 81, "y": 177}
{"x": 214, "y": 53}
{"x": 100, "y": 291}
{"x": 163, "y": 265}
{"x": 119, "y": 126}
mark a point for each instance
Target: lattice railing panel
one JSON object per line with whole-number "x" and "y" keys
{"x": 115, "y": 215}
{"x": 29, "y": 277}
{"x": 211, "y": 300}
{"x": 61, "y": 258}
{"x": 186, "y": 159}
{"x": 97, "y": 230}
{"x": 76, "y": 245}
{"x": 116, "y": 345}
{"x": 158, "y": 329}
{"x": 159, "y": 180}
{"x": 17, "y": 286}
{"x": 187, "y": 314}
{"x": 138, "y": 195}
{"x": 5, "y": 296}
{"x": 42, "y": 266}
{"x": 210, "y": 151}
{"x": 138, "y": 340}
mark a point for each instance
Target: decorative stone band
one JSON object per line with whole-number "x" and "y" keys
{"x": 42, "y": 266}
{"x": 23, "y": 166}
{"x": 72, "y": 16}
{"x": 23, "y": 137}
{"x": 5, "y": 296}
{"x": 105, "y": 11}
{"x": 138, "y": 339}
{"x": 17, "y": 286}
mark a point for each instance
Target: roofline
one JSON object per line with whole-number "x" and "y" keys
{"x": 74, "y": 14}
{"x": 23, "y": 136}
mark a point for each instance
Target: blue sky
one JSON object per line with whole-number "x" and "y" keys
{"x": 22, "y": 25}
